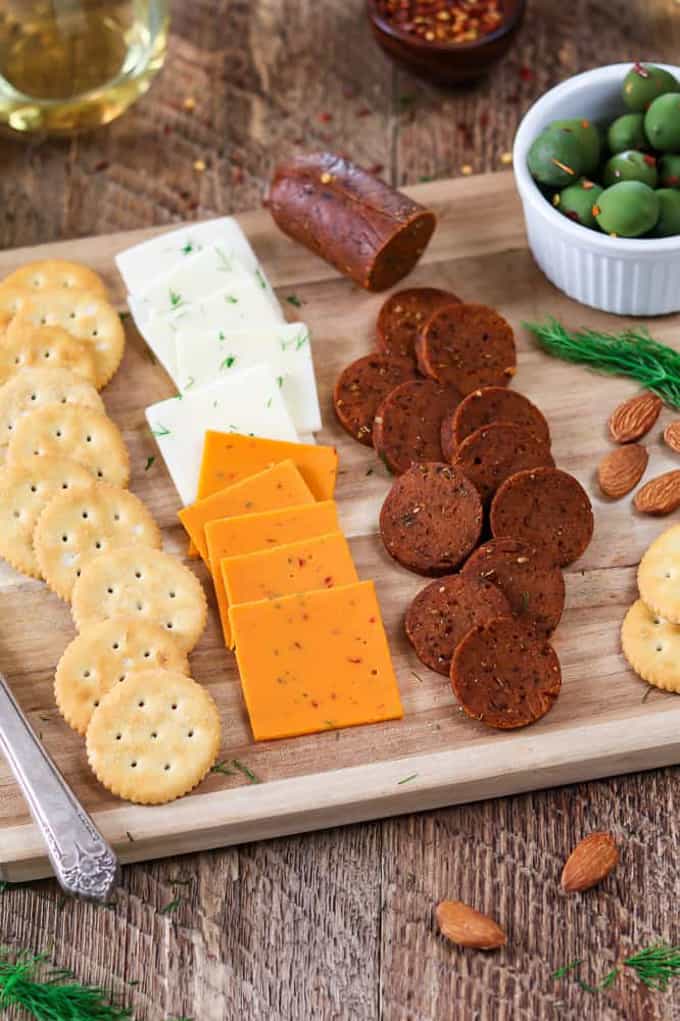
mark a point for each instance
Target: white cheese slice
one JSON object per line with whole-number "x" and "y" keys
{"x": 203, "y": 357}
{"x": 140, "y": 264}
{"x": 249, "y": 401}
{"x": 234, "y": 308}
{"x": 210, "y": 271}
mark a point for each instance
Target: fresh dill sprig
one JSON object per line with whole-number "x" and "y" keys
{"x": 51, "y": 995}
{"x": 631, "y": 353}
{"x": 654, "y": 966}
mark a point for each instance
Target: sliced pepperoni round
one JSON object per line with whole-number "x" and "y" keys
{"x": 546, "y": 507}
{"x": 431, "y": 518}
{"x": 404, "y": 314}
{"x": 407, "y": 424}
{"x": 495, "y": 452}
{"x": 482, "y": 407}
{"x": 444, "y": 611}
{"x": 504, "y": 676}
{"x": 529, "y": 579}
{"x": 467, "y": 346}
{"x": 360, "y": 388}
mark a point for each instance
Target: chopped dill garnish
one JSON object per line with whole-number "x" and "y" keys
{"x": 247, "y": 772}
{"x": 654, "y": 966}
{"x": 172, "y": 906}
{"x": 407, "y": 779}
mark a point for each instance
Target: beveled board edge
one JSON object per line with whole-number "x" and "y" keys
{"x": 319, "y": 801}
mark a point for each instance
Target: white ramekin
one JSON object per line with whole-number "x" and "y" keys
{"x": 628, "y": 276}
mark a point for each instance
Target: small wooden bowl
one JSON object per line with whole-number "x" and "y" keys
{"x": 447, "y": 63}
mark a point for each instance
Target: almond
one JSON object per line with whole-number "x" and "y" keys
{"x": 467, "y": 927}
{"x": 620, "y": 470}
{"x": 634, "y": 417}
{"x": 589, "y": 862}
{"x": 660, "y": 495}
{"x": 671, "y": 435}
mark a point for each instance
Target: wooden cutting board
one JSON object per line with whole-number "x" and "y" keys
{"x": 605, "y": 722}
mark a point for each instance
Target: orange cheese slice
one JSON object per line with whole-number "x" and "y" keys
{"x": 278, "y": 486}
{"x": 321, "y": 562}
{"x": 228, "y": 457}
{"x": 249, "y": 533}
{"x": 315, "y": 661}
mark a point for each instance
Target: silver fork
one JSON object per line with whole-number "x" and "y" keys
{"x": 83, "y": 862}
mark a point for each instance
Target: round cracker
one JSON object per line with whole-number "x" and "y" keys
{"x": 153, "y": 738}
{"x": 77, "y": 526}
{"x": 659, "y": 575}
{"x": 33, "y": 388}
{"x": 651, "y": 644}
{"x": 32, "y": 347}
{"x": 103, "y": 656}
{"x": 86, "y": 316}
{"x": 48, "y": 273}
{"x": 82, "y": 434}
{"x": 142, "y": 581}
{"x": 25, "y": 490}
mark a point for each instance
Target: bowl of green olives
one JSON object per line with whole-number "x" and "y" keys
{"x": 597, "y": 167}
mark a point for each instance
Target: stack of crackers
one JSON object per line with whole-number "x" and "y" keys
{"x": 650, "y": 635}
{"x": 67, "y": 517}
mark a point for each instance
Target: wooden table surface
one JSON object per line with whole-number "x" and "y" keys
{"x": 340, "y": 924}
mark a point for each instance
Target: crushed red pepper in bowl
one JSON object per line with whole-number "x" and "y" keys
{"x": 445, "y": 41}
{"x": 443, "y": 21}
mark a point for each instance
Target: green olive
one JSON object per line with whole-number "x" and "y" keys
{"x": 668, "y": 223}
{"x": 643, "y": 83}
{"x": 669, "y": 171}
{"x": 588, "y": 137}
{"x": 662, "y": 123}
{"x": 577, "y": 202}
{"x": 630, "y": 166}
{"x": 627, "y": 209}
{"x": 627, "y": 132}
{"x": 555, "y": 158}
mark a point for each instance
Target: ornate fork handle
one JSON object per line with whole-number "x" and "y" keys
{"x": 83, "y": 862}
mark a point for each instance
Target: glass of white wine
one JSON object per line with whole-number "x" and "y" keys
{"x": 71, "y": 65}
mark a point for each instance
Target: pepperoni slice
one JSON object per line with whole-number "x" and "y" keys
{"x": 407, "y": 425}
{"x": 404, "y": 314}
{"x": 495, "y": 452}
{"x": 360, "y": 388}
{"x": 467, "y": 346}
{"x": 482, "y": 407}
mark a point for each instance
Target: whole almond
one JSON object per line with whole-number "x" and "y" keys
{"x": 671, "y": 435}
{"x": 634, "y": 417}
{"x": 620, "y": 470}
{"x": 467, "y": 927}
{"x": 590, "y": 861}
{"x": 659, "y": 496}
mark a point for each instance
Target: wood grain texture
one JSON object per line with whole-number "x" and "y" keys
{"x": 339, "y": 924}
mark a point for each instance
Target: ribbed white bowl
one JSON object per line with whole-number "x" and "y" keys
{"x": 628, "y": 276}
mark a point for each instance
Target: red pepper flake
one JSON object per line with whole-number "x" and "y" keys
{"x": 372, "y": 620}
{"x": 328, "y": 582}
{"x": 352, "y": 659}
{"x": 649, "y": 160}
{"x": 526, "y": 74}
{"x": 301, "y": 561}
{"x": 325, "y": 117}
{"x": 443, "y": 22}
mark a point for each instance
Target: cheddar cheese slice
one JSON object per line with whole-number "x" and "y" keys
{"x": 249, "y": 533}
{"x": 228, "y": 457}
{"x": 321, "y": 562}
{"x": 315, "y": 661}
{"x": 278, "y": 486}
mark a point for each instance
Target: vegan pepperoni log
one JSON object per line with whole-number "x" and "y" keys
{"x": 529, "y": 579}
{"x": 482, "y": 407}
{"x": 361, "y": 387}
{"x": 444, "y": 611}
{"x": 495, "y": 452}
{"x": 407, "y": 425}
{"x": 353, "y": 220}
{"x": 504, "y": 676}
{"x": 467, "y": 346}
{"x": 431, "y": 519}
{"x": 546, "y": 507}
{"x": 403, "y": 316}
